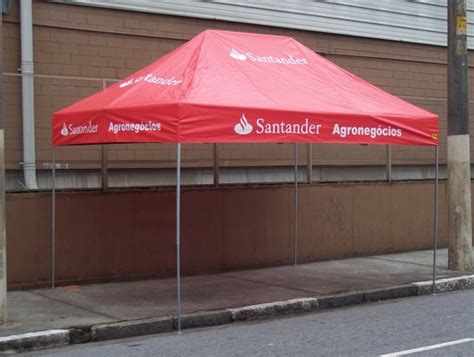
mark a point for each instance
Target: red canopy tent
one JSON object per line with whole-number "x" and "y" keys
{"x": 239, "y": 87}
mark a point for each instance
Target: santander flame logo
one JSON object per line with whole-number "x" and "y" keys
{"x": 243, "y": 127}
{"x": 127, "y": 83}
{"x": 237, "y": 55}
{"x": 64, "y": 131}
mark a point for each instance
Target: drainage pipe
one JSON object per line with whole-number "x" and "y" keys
{"x": 28, "y": 104}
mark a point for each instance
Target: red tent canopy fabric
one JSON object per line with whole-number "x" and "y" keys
{"x": 239, "y": 87}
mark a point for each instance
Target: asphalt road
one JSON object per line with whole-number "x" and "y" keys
{"x": 422, "y": 323}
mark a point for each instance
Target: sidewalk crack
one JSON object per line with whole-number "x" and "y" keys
{"x": 70, "y": 304}
{"x": 272, "y": 285}
{"x": 405, "y": 262}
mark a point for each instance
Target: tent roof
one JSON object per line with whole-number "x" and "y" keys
{"x": 239, "y": 87}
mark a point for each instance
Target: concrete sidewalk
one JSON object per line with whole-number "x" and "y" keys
{"x": 114, "y": 310}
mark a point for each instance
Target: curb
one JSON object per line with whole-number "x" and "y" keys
{"x": 148, "y": 326}
{"x": 394, "y": 292}
{"x": 203, "y": 318}
{"x": 445, "y": 285}
{"x": 131, "y": 328}
{"x": 273, "y": 308}
{"x": 34, "y": 341}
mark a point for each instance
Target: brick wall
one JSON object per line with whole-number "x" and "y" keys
{"x": 79, "y": 50}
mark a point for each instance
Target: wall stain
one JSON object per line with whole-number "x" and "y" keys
{"x": 336, "y": 215}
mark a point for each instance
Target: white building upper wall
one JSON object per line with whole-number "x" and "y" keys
{"x": 416, "y": 21}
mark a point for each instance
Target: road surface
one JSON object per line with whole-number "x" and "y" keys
{"x": 440, "y": 325}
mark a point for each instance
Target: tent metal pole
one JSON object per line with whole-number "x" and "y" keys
{"x": 53, "y": 220}
{"x": 388, "y": 164}
{"x": 309, "y": 169}
{"x": 178, "y": 234}
{"x": 436, "y": 213}
{"x": 296, "y": 207}
{"x": 104, "y": 175}
{"x": 215, "y": 164}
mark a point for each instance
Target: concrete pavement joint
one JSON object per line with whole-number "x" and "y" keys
{"x": 131, "y": 328}
{"x": 203, "y": 318}
{"x": 405, "y": 262}
{"x": 75, "y": 306}
{"x": 80, "y": 334}
{"x": 392, "y": 292}
{"x": 340, "y": 300}
{"x": 272, "y": 285}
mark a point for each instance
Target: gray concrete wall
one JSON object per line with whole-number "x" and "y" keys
{"x": 91, "y": 179}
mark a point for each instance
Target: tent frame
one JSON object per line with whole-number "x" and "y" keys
{"x": 178, "y": 222}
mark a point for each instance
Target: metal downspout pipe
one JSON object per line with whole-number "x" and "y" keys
{"x": 28, "y": 104}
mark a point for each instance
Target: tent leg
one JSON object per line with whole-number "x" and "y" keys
{"x": 178, "y": 234}
{"x": 53, "y": 220}
{"x": 436, "y": 213}
{"x": 388, "y": 160}
{"x": 309, "y": 164}
{"x": 215, "y": 165}
{"x": 296, "y": 207}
